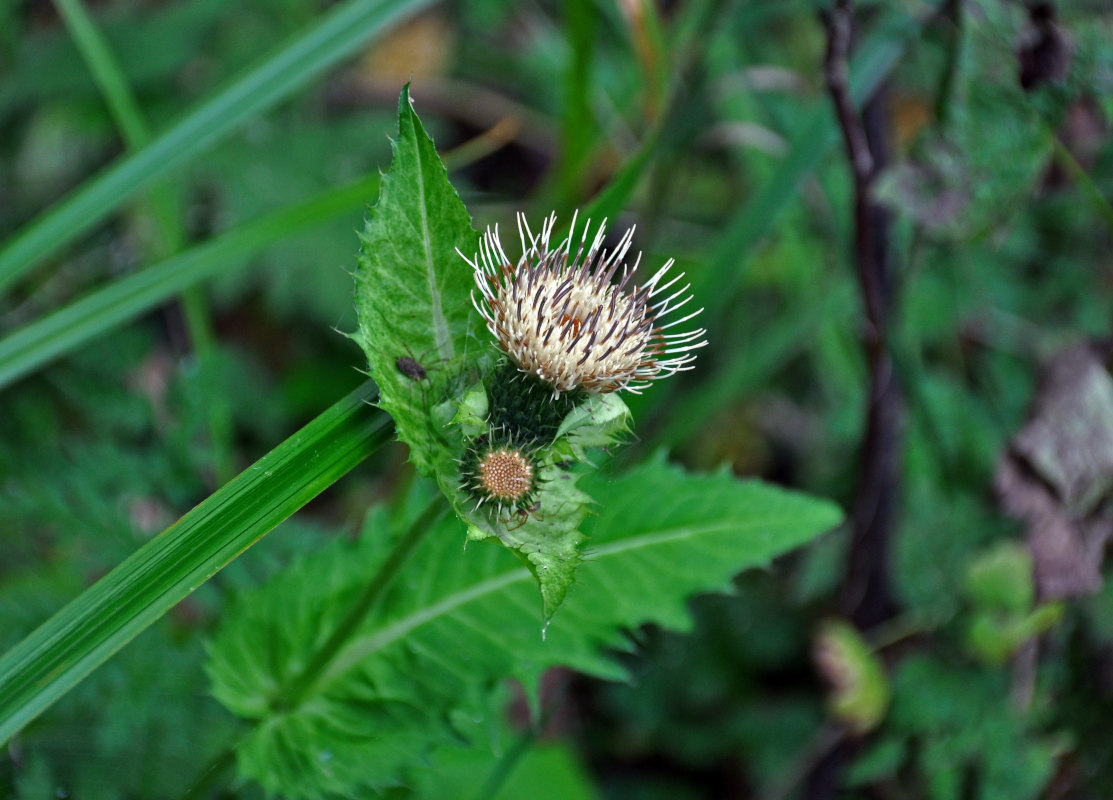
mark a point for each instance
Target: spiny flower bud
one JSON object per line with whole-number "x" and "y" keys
{"x": 559, "y": 316}
{"x": 501, "y": 473}
{"x": 860, "y": 690}
{"x": 505, "y": 474}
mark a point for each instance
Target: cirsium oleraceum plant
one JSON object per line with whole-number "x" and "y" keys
{"x": 504, "y": 378}
{"x": 504, "y": 375}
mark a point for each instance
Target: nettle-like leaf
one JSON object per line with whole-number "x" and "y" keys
{"x": 430, "y": 355}
{"x": 416, "y": 323}
{"x": 418, "y": 671}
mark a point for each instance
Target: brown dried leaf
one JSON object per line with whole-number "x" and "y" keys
{"x": 1069, "y": 439}
{"x": 1058, "y": 472}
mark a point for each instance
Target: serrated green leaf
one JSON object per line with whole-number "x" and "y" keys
{"x": 546, "y": 540}
{"x": 457, "y": 622}
{"x": 412, "y": 292}
{"x": 597, "y": 422}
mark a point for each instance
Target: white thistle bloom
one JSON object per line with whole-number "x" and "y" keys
{"x": 559, "y": 315}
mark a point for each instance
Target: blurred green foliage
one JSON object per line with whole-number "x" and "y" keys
{"x": 1000, "y": 237}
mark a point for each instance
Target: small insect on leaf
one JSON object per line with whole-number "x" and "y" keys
{"x": 525, "y": 513}
{"x": 410, "y": 368}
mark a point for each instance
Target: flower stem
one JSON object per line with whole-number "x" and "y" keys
{"x": 214, "y": 772}
{"x": 292, "y": 695}
{"x": 164, "y": 208}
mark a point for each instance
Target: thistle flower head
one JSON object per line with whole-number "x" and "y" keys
{"x": 564, "y": 313}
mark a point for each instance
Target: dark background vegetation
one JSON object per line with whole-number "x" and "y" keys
{"x": 885, "y": 287}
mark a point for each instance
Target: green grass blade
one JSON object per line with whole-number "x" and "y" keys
{"x": 110, "y": 79}
{"x": 337, "y": 35}
{"x": 66, "y": 329}
{"x": 104, "y": 618}
{"x": 610, "y": 201}
{"x": 150, "y": 46}
{"x": 578, "y": 127}
{"x": 106, "y": 72}
{"x": 125, "y": 110}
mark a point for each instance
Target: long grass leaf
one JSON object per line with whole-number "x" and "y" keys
{"x": 71, "y": 326}
{"x": 56, "y": 656}
{"x": 106, "y": 72}
{"x": 130, "y": 120}
{"x": 44, "y": 66}
{"x": 336, "y": 36}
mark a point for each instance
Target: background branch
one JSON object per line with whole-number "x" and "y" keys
{"x": 866, "y": 594}
{"x": 867, "y": 598}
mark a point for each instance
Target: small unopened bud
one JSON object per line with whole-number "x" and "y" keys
{"x": 860, "y": 690}
{"x": 500, "y": 473}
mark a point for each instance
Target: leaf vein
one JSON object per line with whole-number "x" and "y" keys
{"x": 440, "y": 324}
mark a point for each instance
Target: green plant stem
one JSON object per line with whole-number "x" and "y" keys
{"x": 1081, "y": 178}
{"x": 822, "y": 744}
{"x": 898, "y": 629}
{"x": 164, "y": 207}
{"x": 212, "y": 774}
{"x": 947, "y": 94}
{"x": 506, "y": 765}
{"x": 290, "y": 697}
{"x": 218, "y": 410}
{"x": 106, "y": 72}
{"x": 102, "y": 619}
